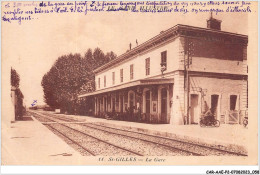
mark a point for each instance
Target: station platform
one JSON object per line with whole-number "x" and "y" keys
{"x": 28, "y": 142}
{"x": 228, "y": 135}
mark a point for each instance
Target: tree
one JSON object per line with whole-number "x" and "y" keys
{"x": 62, "y": 83}
{"x": 71, "y": 75}
{"x": 89, "y": 60}
{"x": 99, "y": 57}
{"x": 15, "y": 78}
{"x": 110, "y": 56}
{"x": 48, "y": 84}
{"x": 15, "y": 82}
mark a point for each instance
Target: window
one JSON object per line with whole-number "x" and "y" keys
{"x": 121, "y": 75}
{"x": 233, "y": 101}
{"x": 147, "y": 66}
{"x": 113, "y": 77}
{"x": 164, "y": 59}
{"x": 98, "y": 83}
{"x": 131, "y": 71}
{"x": 105, "y": 81}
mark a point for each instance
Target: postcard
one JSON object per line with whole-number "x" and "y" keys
{"x": 129, "y": 83}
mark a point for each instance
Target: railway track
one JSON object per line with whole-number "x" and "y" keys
{"x": 207, "y": 149}
{"x": 86, "y": 150}
{"x": 107, "y": 148}
{"x": 87, "y": 139}
{"x": 62, "y": 118}
{"x": 164, "y": 141}
{"x": 124, "y": 142}
{"x": 184, "y": 147}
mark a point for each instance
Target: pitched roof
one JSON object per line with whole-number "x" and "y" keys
{"x": 175, "y": 31}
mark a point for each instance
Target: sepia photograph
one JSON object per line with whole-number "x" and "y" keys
{"x": 129, "y": 83}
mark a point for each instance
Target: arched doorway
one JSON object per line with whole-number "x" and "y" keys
{"x": 131, "y": 99}
{"x": 105, "y": 104}
{"x": 113, "y": 104}
{"x": 121, "y": 101}
{"x": 164, "y": 105}
{"x": 147, "y": 102}
{"x": 131, "y": 104}
{"x": 215, "y": 105}
{"x": 100, "y": 105}
{"x": 194, "y": 109}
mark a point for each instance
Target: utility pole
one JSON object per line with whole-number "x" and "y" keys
{"x": 189, "y": 50}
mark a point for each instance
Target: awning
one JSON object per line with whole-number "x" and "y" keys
{"x": 130, "y": 84}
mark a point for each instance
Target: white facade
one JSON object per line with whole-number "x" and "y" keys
{"x": 173, "y": 63}
{"x": 217, "y": 78}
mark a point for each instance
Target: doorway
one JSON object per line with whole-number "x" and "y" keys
{"x": 113, "y": 104}
{"x": 147, "y": 102}
{"x": 214, "y": 105}
{"x": 164, "y": 105}
{"x": 131, "y": 105}
{"x": 194, "y": 110}
{"x": 121, "y": 103}
{"x": 105, "y": 104}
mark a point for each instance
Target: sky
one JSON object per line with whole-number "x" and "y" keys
{"x": 32, "y": 47}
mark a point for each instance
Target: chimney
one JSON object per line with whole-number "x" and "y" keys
{"x": 213, "y": 23}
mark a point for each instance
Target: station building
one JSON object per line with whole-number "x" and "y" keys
{"x": 176, "y": 76}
